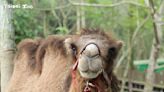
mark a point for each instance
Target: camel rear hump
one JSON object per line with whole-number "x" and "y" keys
{"x": 27, "y": 52}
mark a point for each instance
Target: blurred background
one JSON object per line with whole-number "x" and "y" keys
{"x": 139, "y": 23}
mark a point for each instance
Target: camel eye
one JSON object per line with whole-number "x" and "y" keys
{"x": 74, "y": 49}
{"x": 111, "y": 51}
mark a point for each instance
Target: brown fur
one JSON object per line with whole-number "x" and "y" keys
{"x": 36, "y": 69}
{"x": 80, "y": 83}
{"x": 44, "y": 66}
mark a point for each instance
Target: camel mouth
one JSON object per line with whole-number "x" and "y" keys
{"x": 90, "y": 62}
{"x": 90, "y": 74}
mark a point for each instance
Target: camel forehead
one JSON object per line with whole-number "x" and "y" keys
{"x": 93, "y": 36}
{"x": 100, "y": 40}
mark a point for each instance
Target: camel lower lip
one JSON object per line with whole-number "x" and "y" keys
{"x": 89, "y": 74}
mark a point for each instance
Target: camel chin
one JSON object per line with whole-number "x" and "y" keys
{"x": 90, "y": 74}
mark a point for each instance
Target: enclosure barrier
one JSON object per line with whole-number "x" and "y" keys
{"x": 138, "y": 86}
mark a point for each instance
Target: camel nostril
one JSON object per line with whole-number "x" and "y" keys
{"x": 91, "y": 50}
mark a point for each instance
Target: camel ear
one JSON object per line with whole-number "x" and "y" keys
{"x": 114, "y": 49}
{"x": 67, "y": 43}
{"x": 119, "y": 44}
{"x": 70, "y": 46}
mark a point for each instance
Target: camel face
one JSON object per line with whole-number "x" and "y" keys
{"x": 95, "y": 53}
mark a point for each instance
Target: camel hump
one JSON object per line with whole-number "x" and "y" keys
{"x": 28, "y": 46}
{"x": 52, "y": 43}
{"x": 27, "y": 52}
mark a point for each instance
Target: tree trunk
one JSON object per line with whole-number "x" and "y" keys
{"x": 82, "y": 15}
{"x": 45, "y": 30}
{"x": 78, "y": 24}
{"x": 157, "y": 22}
{"x": 6, "y": 45}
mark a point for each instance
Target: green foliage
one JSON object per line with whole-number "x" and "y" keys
{"x": 22, "y": 1}
{"x": 123, "y": 20}
{"x": 61, "y": 30}
{"x": 25, "y": 24}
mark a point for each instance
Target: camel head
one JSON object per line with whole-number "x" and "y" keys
{"x": 93, "y": 51}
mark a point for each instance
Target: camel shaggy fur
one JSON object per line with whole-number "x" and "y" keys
{"x": 45, "y": 65}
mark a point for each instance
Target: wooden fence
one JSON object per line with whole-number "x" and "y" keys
{"x": 138, "y": 86}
